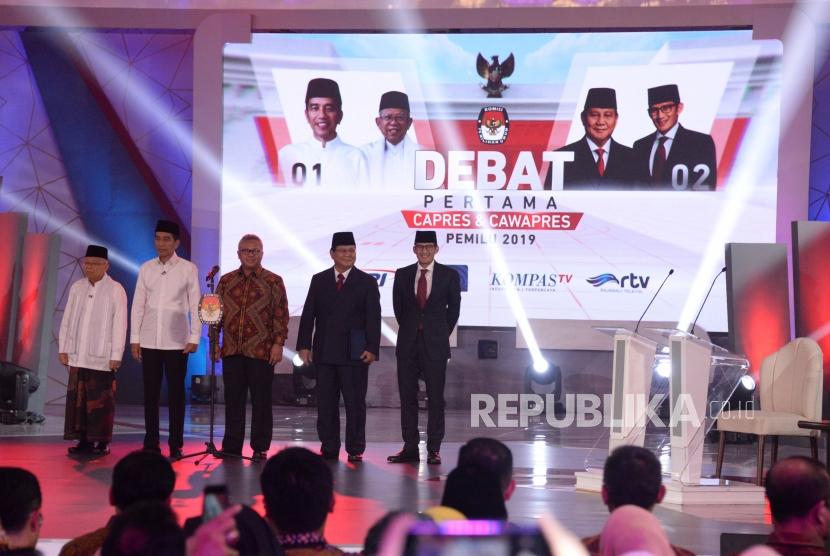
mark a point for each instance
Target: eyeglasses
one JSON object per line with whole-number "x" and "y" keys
{"x": 249, "y": 251}
{"x": 399, "y": 119}
{"x": 665, "y": 109}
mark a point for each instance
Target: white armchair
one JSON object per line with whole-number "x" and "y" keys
{"x": 790, "y": 390}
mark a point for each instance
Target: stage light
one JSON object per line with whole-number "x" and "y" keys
{"x": 16, "y": 383}
{"x": 544, "y": 380}
{"x": 662, "y": 366}
{"x": 304, "y": 380}
{"x": 748, "y": 383}
{"x": 541, "y": 366}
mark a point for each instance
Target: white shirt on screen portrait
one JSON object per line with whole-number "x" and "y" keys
{"x": 335, "y": 165}
{"x": 669, "y": 135}
{"x": 391, "y": 165}
{"x": 606, "y": 150}
{"x": 166, "y": 294}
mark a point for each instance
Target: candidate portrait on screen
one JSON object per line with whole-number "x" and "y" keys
{"x": 599, "y": 161}
{"x": 324, "y": 160}
{"x": 391, "y": 158}
{"x": 674, "y": 157}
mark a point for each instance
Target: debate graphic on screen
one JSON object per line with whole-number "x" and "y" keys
{"x": 564, "y": 171}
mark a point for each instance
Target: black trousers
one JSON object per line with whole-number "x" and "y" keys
{"x": 240, "y": 374}
{"x": 434, "y": 372}
{"x": 352, "y": 381}
{"x": 155, "y": 363}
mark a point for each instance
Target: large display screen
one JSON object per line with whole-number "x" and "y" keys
{"x": 564, "y": 173}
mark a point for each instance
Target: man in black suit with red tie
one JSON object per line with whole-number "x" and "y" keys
{"x": 674, "y": 157}
{"x": 342, "y": 310}
{"x": 427, "y": 299}
{"x": 599, "y": 161}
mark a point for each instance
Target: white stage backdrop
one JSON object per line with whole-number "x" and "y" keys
{"x": 488, "y": 177}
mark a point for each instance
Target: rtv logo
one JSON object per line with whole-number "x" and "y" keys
{"x": 632, "y": 281}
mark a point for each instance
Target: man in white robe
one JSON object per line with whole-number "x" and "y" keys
{"x": 324, "y": 160}
{"x": 91, "y": 343}
{"x": 392, "y": 158}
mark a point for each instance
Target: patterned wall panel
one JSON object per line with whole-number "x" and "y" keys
{"x": 148, "y": 78}
{"x": 34, "y": 176}
{"x": 819, "y": 199}
{"x": 34, "y": 179}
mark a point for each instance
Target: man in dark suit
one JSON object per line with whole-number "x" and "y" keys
{"x": 674, "y": 157}
{"x": 427, "y": 299}
{"x": 599, "y": 161}
{"x": 342, "y": 310}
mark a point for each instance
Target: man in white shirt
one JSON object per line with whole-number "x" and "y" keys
{"x": 392, "y": 158}
{"x": 91, "y": 343}
{"x": 324, "y": 160}
{"x": 161, "y": 336}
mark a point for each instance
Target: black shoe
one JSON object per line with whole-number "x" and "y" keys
{"x": 230, "y": 454}
{"x": 101, "y": 449}
{"x": 175, "y": 454}
{"x": 259, "y": 456}
{"x": 83, "y": 447}
{"x": 155, "y": 449}
{"x": 434, "y": 458}
{"x": 405, "y": 456}
{"x": 330, "y": 456}
{"x": 355, "y": 458}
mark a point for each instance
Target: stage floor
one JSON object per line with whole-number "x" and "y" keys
{"x": 545, "y": 460}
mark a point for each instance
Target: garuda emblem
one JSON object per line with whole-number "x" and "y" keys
{"x": 494, "y": 72}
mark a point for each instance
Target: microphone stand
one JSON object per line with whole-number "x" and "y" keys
{"x": 637, "y": 328}
{"x": 210, "y": 446}
{"x": 705, "y": 299}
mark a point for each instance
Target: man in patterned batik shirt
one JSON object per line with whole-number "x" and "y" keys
{"x": 254, "y": 328}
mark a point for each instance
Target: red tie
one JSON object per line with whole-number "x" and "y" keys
{"x": 659, "y": 160}
{"x": 422, "y": 289}
{"x": 600, "y": 162}
{"x": 340, "y": 280}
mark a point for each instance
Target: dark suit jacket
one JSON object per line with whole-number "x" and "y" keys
{"x": 582, "y": 173}
{"x": 331, "y": 315}
{"x": 689, "y": 148}
{"x": 438, "y": 317}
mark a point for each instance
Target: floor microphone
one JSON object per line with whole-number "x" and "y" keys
{"x": 636, "y": 328}
{"x": 692, "y": 329}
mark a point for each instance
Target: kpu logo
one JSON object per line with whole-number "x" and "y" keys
{"x": 627, "y": 281}
{"x": 493, "y": 125}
